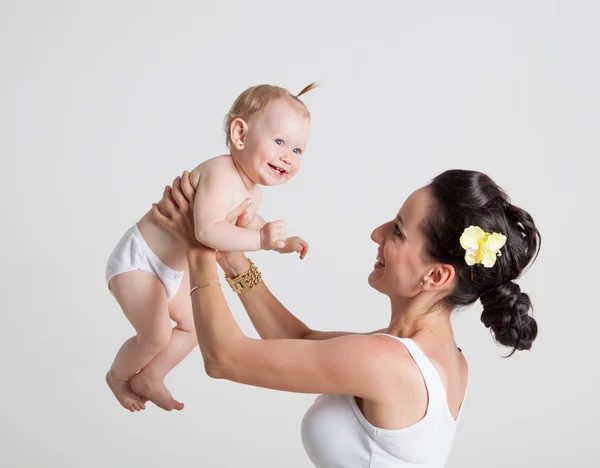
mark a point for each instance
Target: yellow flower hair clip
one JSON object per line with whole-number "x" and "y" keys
{"x": 481, "y": 247}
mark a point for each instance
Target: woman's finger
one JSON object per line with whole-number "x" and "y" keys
{"x": 159, "y": 217}
{"x": 165, "y": 197}
{"x": 169, "y": 208}
{"x": 237, "y": 212}
{"x": 168, "y": 195}
{"x": 174, "y": 182}
{"x": 186, "y": 186}
{"x": 180, "y": 200}
{"x": 243, "y": 220}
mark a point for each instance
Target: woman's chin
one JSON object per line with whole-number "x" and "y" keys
{"x": 373, "y": 279}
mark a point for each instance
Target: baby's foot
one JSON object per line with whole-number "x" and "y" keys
{"x": 123, "y": 392}
{"x": 154, "y": 389}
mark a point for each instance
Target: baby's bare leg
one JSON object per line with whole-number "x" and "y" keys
{"x": 149, "y": 382}
{"x": 142, "y": 297}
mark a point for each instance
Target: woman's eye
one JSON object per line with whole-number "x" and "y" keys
{"x": 279, "y": 142}
{"x": 397, "y": 232}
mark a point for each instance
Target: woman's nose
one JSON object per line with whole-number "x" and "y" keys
{"x": 376, "y": 235}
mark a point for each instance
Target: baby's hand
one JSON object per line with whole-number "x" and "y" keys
{"x": 295, "y": 244}
{"x": 273, "y": 236}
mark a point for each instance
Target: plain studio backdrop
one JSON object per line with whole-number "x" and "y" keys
{"x": 103, "y": 103}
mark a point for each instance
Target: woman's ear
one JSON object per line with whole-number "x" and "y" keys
{"x": 440, "y": 277}
{"x": 238, "y": 131}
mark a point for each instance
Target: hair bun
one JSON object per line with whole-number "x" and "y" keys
{"x": 506, "y": 314}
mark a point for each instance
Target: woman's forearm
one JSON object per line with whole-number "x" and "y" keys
{"x": 216, "y": 328}
{"x": 269, "y": 317}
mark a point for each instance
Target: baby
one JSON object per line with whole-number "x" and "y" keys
{"x": 267, "y": 131}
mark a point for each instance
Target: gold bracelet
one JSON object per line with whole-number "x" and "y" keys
{"x": 246, "y": 281}
{"x": 199, "y": 286}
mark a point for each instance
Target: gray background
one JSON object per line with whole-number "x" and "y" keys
{"x": 103, "y": 103}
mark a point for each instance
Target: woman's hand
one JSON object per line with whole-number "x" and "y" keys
{"x": 176, "y": 214}
{"x": 175, "y": 211}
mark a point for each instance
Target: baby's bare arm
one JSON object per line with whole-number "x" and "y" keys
{"x": 257, "y": 222}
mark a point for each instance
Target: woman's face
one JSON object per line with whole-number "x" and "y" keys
{"x": 401, "y": 265}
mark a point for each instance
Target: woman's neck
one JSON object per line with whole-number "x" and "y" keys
{"x": 411, "y": 316}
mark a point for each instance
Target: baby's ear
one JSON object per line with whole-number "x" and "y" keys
{"x": 238, "y": 133}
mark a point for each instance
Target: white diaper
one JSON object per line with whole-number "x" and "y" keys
{"x": 132, "y": 253}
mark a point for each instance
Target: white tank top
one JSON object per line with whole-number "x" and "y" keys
{"x": 336, "y": 434}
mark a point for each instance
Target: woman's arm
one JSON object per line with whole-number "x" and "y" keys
{"x": 343, "y": 365}
{"x": 271, "y": 318}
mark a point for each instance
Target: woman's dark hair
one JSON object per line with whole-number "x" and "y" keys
{"x": 464, "y": 198}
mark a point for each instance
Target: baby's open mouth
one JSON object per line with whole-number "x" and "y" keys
{"x": 277, "y": 170}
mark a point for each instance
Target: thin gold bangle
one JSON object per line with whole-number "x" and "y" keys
{"x": 199, "y": 286}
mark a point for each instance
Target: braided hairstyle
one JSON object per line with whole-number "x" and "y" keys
{"x": 463, "y": 198}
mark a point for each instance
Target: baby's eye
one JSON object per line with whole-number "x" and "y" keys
{"x": 279, "y": 142}
{"x": 297, "y": 151}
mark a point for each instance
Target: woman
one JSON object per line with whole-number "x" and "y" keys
{"x": 389, "y": 398}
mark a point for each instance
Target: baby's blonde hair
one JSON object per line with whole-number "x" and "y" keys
{"x": 256, "y": 99}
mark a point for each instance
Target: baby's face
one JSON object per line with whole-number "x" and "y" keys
{"x": 275, "y": 143}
